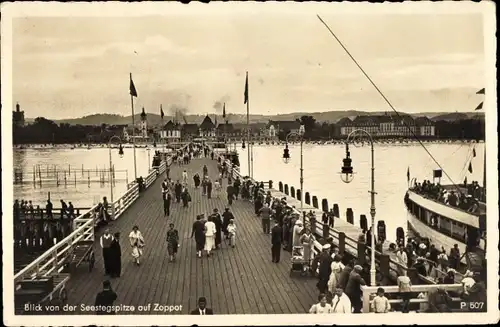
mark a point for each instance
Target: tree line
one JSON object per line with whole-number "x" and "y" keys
{"x": 45, "y": 131}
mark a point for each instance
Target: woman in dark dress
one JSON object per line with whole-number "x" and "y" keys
{"x": 116, "y": 257}
{"x": 172, "y": 242}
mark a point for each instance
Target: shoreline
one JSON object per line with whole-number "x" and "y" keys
{"x": 161, "y": 146}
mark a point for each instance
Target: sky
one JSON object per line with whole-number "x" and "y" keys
{"x": 68, "y": 67}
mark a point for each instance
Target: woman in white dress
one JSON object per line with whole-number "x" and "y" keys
{"x": 296, "y": 232}
{"x": 137, "y": 243}
{"x": 337, "y": 267}
{"x": 307, "y": 240}
{"x": 210, "y": 230}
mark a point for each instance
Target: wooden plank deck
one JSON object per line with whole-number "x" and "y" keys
{"x": 240, "y": 280}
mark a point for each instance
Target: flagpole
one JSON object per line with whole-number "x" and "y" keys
{"x": 248, "y": 128}
{"x": 133, "y": 135}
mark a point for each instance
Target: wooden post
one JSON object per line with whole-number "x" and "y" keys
{"x": 361, "y": 253}
{"x": 286, "y": 189}
{"x": 292, "y": 192}
{"x": 336, "y": 211}
{"x": 341, "y": 243}
{"x": 324, "y": 205}
{"x": 315, "y": 202}
{"x": 349, "y": 216}
{"x": 307, "y": 198}
{"x": 299, "y": 194}
{"x": 280, "y": 186}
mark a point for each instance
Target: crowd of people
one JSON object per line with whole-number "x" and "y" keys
{"x": 24, "y": 209}
{"x": 465, "y": 201}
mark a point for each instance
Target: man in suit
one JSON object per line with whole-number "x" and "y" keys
{"x": 167, "y": 200}
{"x": 105, "y": 298}
{"x": 276, "y": 238}
{"x": 202, "y": 308}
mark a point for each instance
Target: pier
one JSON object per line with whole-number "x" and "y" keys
{"x": 240, "y": 280}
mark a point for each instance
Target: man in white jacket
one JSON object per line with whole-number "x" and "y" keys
{"x": 341, "y": 302}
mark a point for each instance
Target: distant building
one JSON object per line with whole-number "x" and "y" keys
{"x": 190, "y": 131}
{"x": 144, "y": 124}
{"x": 425, "y": 126}
{"x": 171, "y": 132}
{"x": 274, "y": 128}
{"x": 18, "y": 116}
{"x": 207, "y": 128}
{"x": 401, "y": 125}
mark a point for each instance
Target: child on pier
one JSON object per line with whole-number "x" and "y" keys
{"x": 231, "y": 230}
{"x": 137, "y": 243}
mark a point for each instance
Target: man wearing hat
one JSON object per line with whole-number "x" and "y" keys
{"x": 202, "y": 308}
{"x": 105, "y": 298}
{"x": 276, "y": 239}
{"x": 325, "y": 262}
{"x": 227, "y": 216}
{"x": 353, "y": 288}
{"x": 199, "y": 234}
{"x": 106, "y": 241}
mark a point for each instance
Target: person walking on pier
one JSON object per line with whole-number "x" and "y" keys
{"x": 184, "y": 177}
{"x": 227, "y": 216}
{"x": 167, "y": 200}
{"x": 216, "y": 218}
{"x": 137, "y": 243}
{"x": 48, "y": 209}
{"x": 265, "y": 214}
{"x": 202, "y": 308}
{"x": 116, "y": 257}
{"x": 205, "y": 171}
{"x": 210, "y": 231}
{"x": 105, "y": 299}
{"x": 230, "y": 193}
{"x": 196, "y": 180}
{"x": 341, "y": 302}
{"x": 172, "y": 242}
{"x": 322, "y": 306}
{"x": 186, "y": 197}
{"x": 209, "y": 188}
{"x": 276, "y": 239}
{"x": 178, "y": 191}
{"x": 106, "y": 241}
{"x": 353, "y": 288}
{"x": 198, "y": 233}
{"x": 325, "y": 262}
{"x": 231, "y": 230}
{"x": 71, "y": 210}
{"x": 64, "y": 209}
{"x": 337, "y": 266}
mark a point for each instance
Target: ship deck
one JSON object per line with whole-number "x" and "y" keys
{"x": 240, "y": 280}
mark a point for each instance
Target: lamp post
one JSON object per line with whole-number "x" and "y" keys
{"x": 347, "y": 176}
{"x": 286, "y": 159}
{"x": 120, "y": 153}
{"x": 149, "y": 158}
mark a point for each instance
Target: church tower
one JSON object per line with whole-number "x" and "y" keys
{"x": 144, "y": 124}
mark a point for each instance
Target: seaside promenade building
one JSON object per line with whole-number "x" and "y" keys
{"x": 388, "y": 126}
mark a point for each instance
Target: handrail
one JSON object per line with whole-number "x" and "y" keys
{"x": 52, "y": 260}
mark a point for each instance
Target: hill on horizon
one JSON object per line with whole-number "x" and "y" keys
{"x": 328, "y": 116}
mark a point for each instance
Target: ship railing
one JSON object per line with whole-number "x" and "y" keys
{"x": 54, "y": 259}
{"x": 369, "y": 292}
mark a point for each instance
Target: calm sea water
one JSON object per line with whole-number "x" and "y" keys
{"x": 72, "y": 161}
{"x": 322, "y": 164}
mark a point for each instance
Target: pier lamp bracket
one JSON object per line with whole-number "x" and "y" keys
{"x": 286, "y": 154}
{"x": 243, "y": 145}
{"x": 347, "y": 173}
{"x": 120, "y": 151}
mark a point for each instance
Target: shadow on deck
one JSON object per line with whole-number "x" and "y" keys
{"x": 240, "y": 280}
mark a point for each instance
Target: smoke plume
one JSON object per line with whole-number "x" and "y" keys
{"x": 218, "y": 105}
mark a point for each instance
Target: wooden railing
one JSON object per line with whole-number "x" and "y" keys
{"x": 369, "y": 292}
{"x": 350, "y": 245}
{"x": 54, "y": 259}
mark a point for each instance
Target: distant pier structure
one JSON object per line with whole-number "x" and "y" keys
{"x": 55, "y": 175}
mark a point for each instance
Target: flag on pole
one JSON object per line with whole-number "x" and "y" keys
{"x": 481, "y": 91}
{"x": 479, "y": 107}
{"x": 224, "y": 111}
{"x": 408, "y": 174}
{"x": 162, "y": 114}
{"x": 473, "y": 152}
{"x": 246, "y": 89}
{"x": 470, "y": 167}
{"x": 133, "y": 91}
